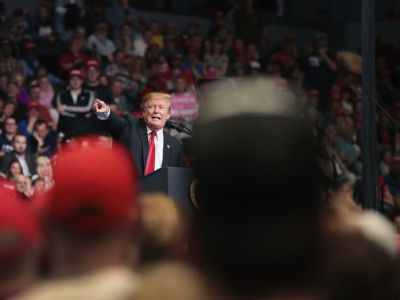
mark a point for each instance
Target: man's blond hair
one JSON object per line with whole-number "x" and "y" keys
{"x": 157, "y": 95}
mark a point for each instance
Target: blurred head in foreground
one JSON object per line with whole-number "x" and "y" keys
{"x": 259, "y": 189}
{"x": 90, "y": 212}
{"x": 162, "y": 229}
{"x": 19, "y": 244}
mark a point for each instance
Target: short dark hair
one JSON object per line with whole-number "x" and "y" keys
{"x": 19, "y": 134}
{"x": 39, "y": 122}
{"x": 116, "y": 52}
{"x": 5, "y": 120}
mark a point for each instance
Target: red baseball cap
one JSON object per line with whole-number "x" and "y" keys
{"x": 18, "y": 220}
{"x": 290, "y": 37}
{"x": 313, "y": 93}
{"x": 33, "y": 104}
{"x": 335, "y": 97}
{"x": 177, "y": 56}
{"x": 30, "y": 45}
{"x": 92, "y": 63}
{"x": 95, "y": 188}
{"x": 396, "y": 105}
{"x": 75, "y": 72}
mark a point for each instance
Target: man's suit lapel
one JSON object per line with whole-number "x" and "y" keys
{"x": 145, "y": 143}
{"x": 166, "y": 150}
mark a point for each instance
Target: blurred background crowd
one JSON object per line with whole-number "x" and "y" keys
{"x": 108, "y": 50}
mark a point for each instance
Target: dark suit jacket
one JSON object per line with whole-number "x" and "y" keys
{"x": 29, "y": 157}
{"x": 131, "y": 131}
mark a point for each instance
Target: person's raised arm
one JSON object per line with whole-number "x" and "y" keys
{"x": 114, "y": 124}
{"x": 101, "y": 109}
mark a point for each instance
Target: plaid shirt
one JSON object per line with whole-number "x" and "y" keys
{"x": 9, "y": 65}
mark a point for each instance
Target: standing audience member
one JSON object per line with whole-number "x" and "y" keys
{"x": 184, "y": 106}
{"x": 319, "y": 68}
{"x": 93, "y": 84}
{"x": 74, "y": 106}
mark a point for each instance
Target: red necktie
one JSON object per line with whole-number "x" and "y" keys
{"x": 151, "y": 157}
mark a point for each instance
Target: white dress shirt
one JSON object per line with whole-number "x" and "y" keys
{"x": 24, "y": 165}
{"x": 159, "y": 146}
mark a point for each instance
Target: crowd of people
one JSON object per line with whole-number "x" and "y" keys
{"x": 79, "y": 227}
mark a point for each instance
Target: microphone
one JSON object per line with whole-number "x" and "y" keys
{"x": 178, "y": 127}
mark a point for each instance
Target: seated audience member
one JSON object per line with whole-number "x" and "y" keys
{"x": 24, "y": 188}
{"x": 138, "y": 72}
{"x": 46, "y": 91}
{"x": 20, "y": 241}
{"x": 10, "y": 130}
{"x": 26, "y": 126}
{"x": 89, "y": 231}
{"x": 119, "y": 15}
{"x": 30, "y": 62}
{"x": 162, "y": 235}
{"x": 43, "y": 140}
{"x": 100, "y": 44}
{"x": 118, "y": 67}
{"x": 385, "y": 162}
{"x": 124, "y": 39}
{"x": 8, "y": 111}
{"x": 217, "y": 62}
{"x": 74, "y": 58}
{"x": 121, "y": 103}
{"x": 26, "y": 159}
{"x": 20, "y": 108}
{"x": 38, "y": 186}
{"x": 45, "y": 171}
{"x": 34, "y": 93}
{"x": 8, "y": 64}
{"x": 19, "y": 79}
{"x": 393, "y": 178}
{"x": 41, "y": 24}
{"x": 13, "y": 170}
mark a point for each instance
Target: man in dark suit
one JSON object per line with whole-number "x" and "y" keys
{"x": 150, "y": 146}
{"x": 27, "y": 160}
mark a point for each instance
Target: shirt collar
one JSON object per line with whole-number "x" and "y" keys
{"x": 158, "y": 131}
